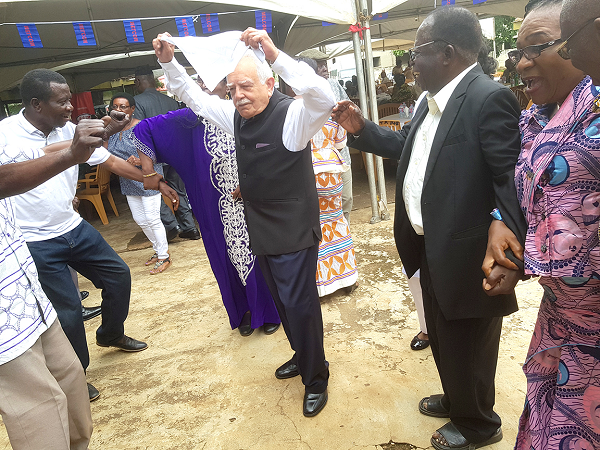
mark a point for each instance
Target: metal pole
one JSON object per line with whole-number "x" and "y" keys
{"x": 362, "y": 95}
{"x": 383, "y": 211}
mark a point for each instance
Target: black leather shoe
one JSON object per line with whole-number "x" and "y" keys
{"x": 288, "y": 370}
{"x": 84, "y": 295}
{"x": 172, "y": 234}
{"x": 90, "y": 313}
{"x": 314, "y": 403}
{"x": 192, "y": 234}
{"x": 93, "y": 392}
{"x": 245, "y": 327}
{"x": 126, "y": 344}
{"x": 419, "y": 344}
{"x": 270, "y": 328}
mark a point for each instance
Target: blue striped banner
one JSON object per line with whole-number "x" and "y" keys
{"x": 133, "y": 31}
{"x": 29, "y": 35}
{"x": 84, "y": 33}
{"x": 185, "y": 26}
{"x": 263, "y": 21}
{"x": 210, "y": 23}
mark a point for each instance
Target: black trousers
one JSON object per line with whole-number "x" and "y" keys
{"x": 466, "y": 354}
{"x": 292, "y": 281}
{"x": 183, "y": 216}
{"x": 86, "y": 251}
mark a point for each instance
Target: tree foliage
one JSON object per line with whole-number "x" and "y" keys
{"x": 504, "y": 32}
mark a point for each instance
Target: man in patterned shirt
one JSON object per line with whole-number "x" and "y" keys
{"x": 43, "y": 396}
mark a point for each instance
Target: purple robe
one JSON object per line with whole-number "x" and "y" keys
{"x": 204, "y": 157}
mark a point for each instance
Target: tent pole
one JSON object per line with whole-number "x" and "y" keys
{"x": 383, "y": 211}
{"x": 362, "y": 95}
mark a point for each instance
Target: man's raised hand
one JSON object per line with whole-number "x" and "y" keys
{"x": 253, "y": 37}
{"x": 349, "y": 116}
{"x": 87, "y": 137}
{"x": 164, "y": 50}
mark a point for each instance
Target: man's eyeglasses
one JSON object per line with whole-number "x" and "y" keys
{"x": 563, "y": 50}
{"x": 531, "y": 51}
{"x": 119, "y": 107}
{"x": 412, "y": 53}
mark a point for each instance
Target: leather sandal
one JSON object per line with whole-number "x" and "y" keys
{"x": 152, "y": 259}
{"x": 451, "y": 439}
{"x": 432, "y": 406}
{"x": 160, "y": 266}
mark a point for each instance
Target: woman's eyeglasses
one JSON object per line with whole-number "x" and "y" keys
{"x": 531, "y": 51}
{"x": 119, "y": 107}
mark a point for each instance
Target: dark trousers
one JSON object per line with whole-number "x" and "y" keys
{"x": 183, "y": 216}
{"x": 86, "y": 251}
{"x": 465, "y": 353}
{"x": 292, "y": 281}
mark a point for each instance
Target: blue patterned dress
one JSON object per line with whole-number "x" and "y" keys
{"x": 123, "y": 146}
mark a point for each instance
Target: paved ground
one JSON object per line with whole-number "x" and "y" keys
{"x": 201, "y": 385}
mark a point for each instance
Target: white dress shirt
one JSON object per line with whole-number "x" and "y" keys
{"x": 304, "y": 118}
{"x": 46, "y": 211}
{"x": 424, "y": 135}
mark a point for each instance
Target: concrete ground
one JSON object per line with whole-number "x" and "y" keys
{"x": 200, "y": 385}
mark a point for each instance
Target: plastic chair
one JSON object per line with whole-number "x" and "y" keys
{"x": 387, "y": 109}
{"x": 522, "y": 97}
{"x": 96, "y": 184}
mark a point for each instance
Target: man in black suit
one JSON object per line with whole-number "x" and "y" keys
{"x": 456, "y": 165}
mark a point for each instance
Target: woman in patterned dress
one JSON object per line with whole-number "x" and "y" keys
{"x": 144, "y": 205}
{"x": 558, "y": 184}
{"x": 336, "y": 265}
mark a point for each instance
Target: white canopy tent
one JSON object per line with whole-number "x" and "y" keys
{"x": 296, "y": 27}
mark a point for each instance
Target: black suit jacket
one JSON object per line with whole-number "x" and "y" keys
{"x": 470, "y": 172}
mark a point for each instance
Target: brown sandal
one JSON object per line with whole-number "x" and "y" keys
{"x": 160, "y": 266}
{"x": 152, "y": 259}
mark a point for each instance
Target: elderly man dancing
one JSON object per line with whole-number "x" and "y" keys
{"x": 272, "y": 134}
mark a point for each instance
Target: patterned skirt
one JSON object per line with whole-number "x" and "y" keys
{"x": 336, "y": 266}
{"x": 562, "y": 408}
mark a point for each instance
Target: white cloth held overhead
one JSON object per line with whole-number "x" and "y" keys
{"x": 213, "y": 57}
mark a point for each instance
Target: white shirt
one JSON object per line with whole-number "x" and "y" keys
{"x": 424, "y": 135}
{"x": 46, "y": 211}
{"x": 304, "y": 117}
{"x": 25, "y": 311}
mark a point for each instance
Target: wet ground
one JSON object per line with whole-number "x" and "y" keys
{"x": 200, "y": 385}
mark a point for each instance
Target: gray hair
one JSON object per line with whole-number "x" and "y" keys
{"x": 263, "y": 70}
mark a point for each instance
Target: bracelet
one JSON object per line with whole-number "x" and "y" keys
{"x": 150, "y": 175}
